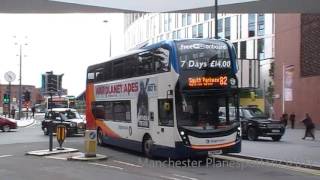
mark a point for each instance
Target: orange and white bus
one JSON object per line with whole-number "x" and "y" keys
{"x": 164, "y": 99}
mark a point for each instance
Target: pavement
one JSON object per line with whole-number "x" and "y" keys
{"x": 24, "y": 122}
{"x": 291, "y": 150}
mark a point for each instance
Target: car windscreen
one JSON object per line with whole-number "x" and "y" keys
{"x": 69, "y": 115}
{"x": 254, "y": 113}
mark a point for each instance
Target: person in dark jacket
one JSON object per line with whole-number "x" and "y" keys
{"x": 284, "y": 119}
{"x": 309, "y": 127}
{"x": 292, "y": 119}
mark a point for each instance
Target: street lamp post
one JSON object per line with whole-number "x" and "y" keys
{"x": 20, "y": 79}
{"x": 20, "y": 74}
{"x": 106, "y": 21}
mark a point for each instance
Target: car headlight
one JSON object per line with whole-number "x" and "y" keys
{"x": 73, "y": 124}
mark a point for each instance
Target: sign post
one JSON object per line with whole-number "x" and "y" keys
{"x": 9, "y": 76}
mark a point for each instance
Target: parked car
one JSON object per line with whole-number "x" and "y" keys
{"x": 69, "y": 117}
{"x": 255, "y": 124}
{"x": 6, "y": 124}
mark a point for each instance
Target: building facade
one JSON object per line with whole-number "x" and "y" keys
{"x": 297, "y": 72}
{"x": 35, "y": 96}
{"x": 251, "y": 34}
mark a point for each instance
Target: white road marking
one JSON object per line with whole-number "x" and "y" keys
{"x": 55, "y": 157}
{"x": 104, "y": 165}
{"x": 128, "y": 164}
{"x": 170, "y": 178}
{"x": 3, "y": 156}
{"x": 186, "y": 177}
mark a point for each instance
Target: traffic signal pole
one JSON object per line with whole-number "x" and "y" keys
{"x": 9, "y": 102}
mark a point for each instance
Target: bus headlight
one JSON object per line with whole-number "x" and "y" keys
{"x": 233, "y": 81}
{"x": 182, "y": 133}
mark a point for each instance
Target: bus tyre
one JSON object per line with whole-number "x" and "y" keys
{"x": 99, "y": 137}
{"x": 252, "y": 134}
{"x": 276, "y": 138}
{"x": 147, "y": 146}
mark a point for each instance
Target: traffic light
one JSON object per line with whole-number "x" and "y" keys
{"x": 6, "y": 98}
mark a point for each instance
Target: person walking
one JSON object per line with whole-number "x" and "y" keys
{"x": 284, "y": 119}
{"x": 33, "y": 109}
{"x": 292, "y": 119}
{"x": 13, "y": 112}
{"x": 309, "y": 127}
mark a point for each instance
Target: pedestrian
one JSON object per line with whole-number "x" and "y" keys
{"x": 284, "y": 119}
{"x": 292, "y": 119}
{"x": 13, "y": 112}
{"x": 33, "y": 109}
{"x": 309, "y": 127}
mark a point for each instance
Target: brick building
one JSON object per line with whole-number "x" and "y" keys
{"x": 297, "y": 65}
{"x": 35, "y": 96}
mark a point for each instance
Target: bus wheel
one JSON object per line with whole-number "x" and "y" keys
{"x": 99, "y": 137}
{"x": 147, "y": 146}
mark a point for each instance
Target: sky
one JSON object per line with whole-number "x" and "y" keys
{"x": 63, "y": 43}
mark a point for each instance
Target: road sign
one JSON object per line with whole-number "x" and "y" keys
{"x": 9, "y": 76}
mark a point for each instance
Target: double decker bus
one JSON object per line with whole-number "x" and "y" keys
{"x": 169, "y": 99}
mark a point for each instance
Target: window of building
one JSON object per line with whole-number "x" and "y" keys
{"x": 194, "y": 31}
{"x": 200, "y": 31}
{"x": 174, "y": 35}
{"x": 169, "y": 22}
{"x": 176, "y": 20}
{"x": 209, "y": 29}
{"x": 243, "y": 50}
{"x": 227, "y": 27}
{"x": 207, "y": 16}
{"x": 261, "y": 49}
{"x": 184, "y": 19}
{"x": 240, "y": 26}
{"x": 189, "y": 19}
{"x": 197, "y": 18}
{"x": 251, "y": 25}
{"x": 261, "y": 24}
{"x": 160, "y": 23}
{"x": 186, "y": 32}
{"x": 179, "y": 34}
{"x": 235, "y": 45}
{"x": 166, "y": 22}
{"x": 220, "y": 28}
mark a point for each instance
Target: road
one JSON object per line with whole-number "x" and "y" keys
{"x": 121, "y": 164}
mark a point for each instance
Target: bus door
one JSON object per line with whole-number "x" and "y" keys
{"x": 164, "y": 128}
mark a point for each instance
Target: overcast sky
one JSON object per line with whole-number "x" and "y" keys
{"x": 62, "y": 43}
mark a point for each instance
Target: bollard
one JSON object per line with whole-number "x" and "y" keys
{"x": 61, "y": 135}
